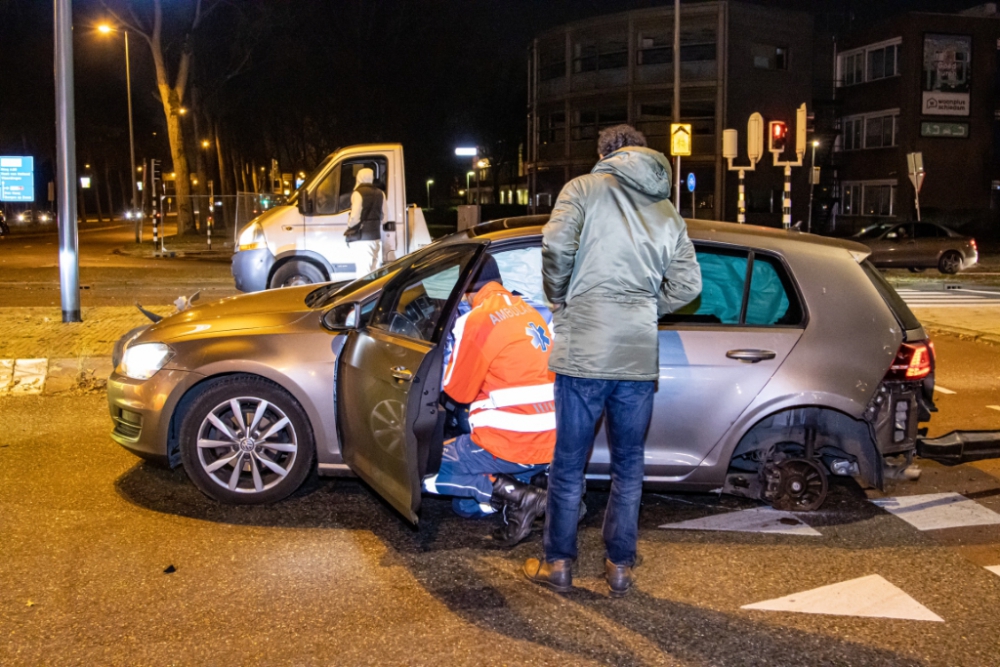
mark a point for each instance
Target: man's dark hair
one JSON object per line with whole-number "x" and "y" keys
{"x": 618, "y": 136}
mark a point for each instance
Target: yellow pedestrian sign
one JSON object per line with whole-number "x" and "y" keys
{"x": 680, "y": 139}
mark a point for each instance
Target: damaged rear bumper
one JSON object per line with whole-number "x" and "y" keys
{"x": 960, "y": 447}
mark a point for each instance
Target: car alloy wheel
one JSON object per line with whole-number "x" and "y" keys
{"x": 950, "y": 263}
{"x": 247, "y": 445}
{"x": 245, "y": 440}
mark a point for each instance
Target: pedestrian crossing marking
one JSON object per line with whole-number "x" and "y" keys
{"x": 936, "y": 511}
{"x": 6, "y": 374}
{"x": 29, "y": 376}
{"x": 995, "y": 569}
{"x": 993, "y": 407}
{"x": 869, "y": 597}
{"x": 754, "y": 520}
{"x": 941, "y": 389}
{"x": 948, "y": 298}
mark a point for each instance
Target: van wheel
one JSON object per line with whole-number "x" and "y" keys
{"x": 295, "y": 273}
{"x": 950, "y": 262}
{"x": 246, "y": 441}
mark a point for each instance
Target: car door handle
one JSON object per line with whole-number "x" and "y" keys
{"x": 750, "y": 356}
{"x": 401, "y": 373}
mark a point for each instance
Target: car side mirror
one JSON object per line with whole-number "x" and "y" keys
{"x": 342, "y": 317}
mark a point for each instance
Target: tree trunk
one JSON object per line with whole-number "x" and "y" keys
{"x": 107, "y": 185}
{"x": 178, "y": 154}
{"x": 97, "y": 197}
{"x": 228, "y": 214}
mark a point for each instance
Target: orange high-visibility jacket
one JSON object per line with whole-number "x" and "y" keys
{"x": 500, "y": 366}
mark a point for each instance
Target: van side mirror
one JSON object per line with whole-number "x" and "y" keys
{"x": 343, "y": 317}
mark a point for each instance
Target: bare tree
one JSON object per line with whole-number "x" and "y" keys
{"x": 171, "y": 43}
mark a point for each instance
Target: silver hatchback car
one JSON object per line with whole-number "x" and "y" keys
{"x": 796, "y": 362}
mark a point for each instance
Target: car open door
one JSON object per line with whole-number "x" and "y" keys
{"x": 389, "y": 376}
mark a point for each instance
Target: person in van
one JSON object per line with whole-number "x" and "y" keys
{"x": 364, "y": 230}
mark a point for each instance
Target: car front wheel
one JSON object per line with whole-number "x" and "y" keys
{"x": 950, "y": 262}
{"x": 246, "y": 441}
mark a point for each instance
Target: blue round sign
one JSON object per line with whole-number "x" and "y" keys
{"x": 691, "y": 182}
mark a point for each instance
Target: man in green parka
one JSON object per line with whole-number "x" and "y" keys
{"x": 615, "y": 257}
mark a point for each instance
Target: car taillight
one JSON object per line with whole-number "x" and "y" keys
{"x": 972, "y": 242}
{"x": 914, "y": 361}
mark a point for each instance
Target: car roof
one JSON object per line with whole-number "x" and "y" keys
{"x": 764, "y": 238}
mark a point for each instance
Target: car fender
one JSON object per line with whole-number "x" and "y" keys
{"x": 322, "y": 431}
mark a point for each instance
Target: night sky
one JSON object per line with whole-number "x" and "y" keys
{"x": 296, "y": 79}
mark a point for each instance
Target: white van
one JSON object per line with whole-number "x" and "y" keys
{"x": 302, "y": 241}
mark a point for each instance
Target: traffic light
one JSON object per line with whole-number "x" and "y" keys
{"x": 777, "y": 136}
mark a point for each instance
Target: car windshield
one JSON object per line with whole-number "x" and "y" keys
{"x": 322, "y": 296}
{"x": 872, "y": 232}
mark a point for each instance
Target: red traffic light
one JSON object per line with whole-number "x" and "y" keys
{"x": 778, "y": 136}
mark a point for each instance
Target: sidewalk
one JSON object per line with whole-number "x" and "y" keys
{"x": 41, "y": 354}
{"x": 980, "y": 324}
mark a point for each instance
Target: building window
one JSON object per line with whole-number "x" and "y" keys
{"x": 766, "y": 56}
{"x": 551, "y": 60}
{"x": 872, "y": 130}
{"x": 870, "y": 198}
{"x": 587, "y": 122}
{"x": 869, "y": 63}
{"x": 657, "y": 49}
{"x": 552, "y": 128}
{"x": 591, "y": 55}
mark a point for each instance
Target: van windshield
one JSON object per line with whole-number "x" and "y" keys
{"x": 310, "y": 179}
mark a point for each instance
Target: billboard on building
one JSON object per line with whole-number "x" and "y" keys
{"x": 947, "y": 75}
{"x": 17, "y": 178}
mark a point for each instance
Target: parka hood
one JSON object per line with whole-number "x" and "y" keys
{"x": 643, "y": 169}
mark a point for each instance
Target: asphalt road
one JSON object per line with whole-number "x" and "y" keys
{"x": 334, "y": 576}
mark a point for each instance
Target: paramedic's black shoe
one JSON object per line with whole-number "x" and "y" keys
{"x": 619, "y": 577}
{"x": 522, "y": 504}
{"x": 557, "y": 575}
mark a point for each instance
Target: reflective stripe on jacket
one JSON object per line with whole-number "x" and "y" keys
{"x": 500, "y": 366}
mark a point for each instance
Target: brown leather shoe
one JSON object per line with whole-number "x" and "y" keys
{"x": 557, "y": 575}
{"x": 619, "y": 577}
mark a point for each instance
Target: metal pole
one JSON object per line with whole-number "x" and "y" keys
{"x": 211, "y": 211}
{"x": 786, "y": 205}
{"x": 131, "y": 146}
{"x": 812, "y": 185}
{"x": 741, "y": 210}
{"x": 428, "y": 194}
{"x": 916, "y": 199}
{"x": 693, "y": 211}
{"x": 677, "y": 95}
{"x": 69, "y": 256}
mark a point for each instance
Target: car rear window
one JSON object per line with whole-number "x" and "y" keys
{"x": 903, "y": 314}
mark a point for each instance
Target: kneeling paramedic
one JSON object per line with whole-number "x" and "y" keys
{"x": 499, "y": 365}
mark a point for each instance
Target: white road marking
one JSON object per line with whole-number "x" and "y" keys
{"x": 934, "y": 511}
{"x": 6, "y": 374}
{"x": 754, "y": 520}
{"x": 871, "y": 597}
{"x": 995, "y": 569}
{"x": 948, "y": 298}
{"x": 29, "y": 376}
{"x": 938, "y": 387}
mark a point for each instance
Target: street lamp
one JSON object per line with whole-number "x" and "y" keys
{"x": 482, "y": 164}
{"x": 812, "y": 185}
{"x": 430, "y": 182}
{"x": 106, "y": 29}
{"x": 205, "y": 143}
{"x": 468, "y": 189}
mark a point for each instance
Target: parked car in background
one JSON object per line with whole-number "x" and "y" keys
{"x": 31, "y": 216}
{"x": 918, "y": 246}
{"x": 4, "y": 229}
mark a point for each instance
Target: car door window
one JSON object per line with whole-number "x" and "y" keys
{"x": 521, "y": 272}
{"x": 769, "y": 300}
{"x": 923, "y": 230}
{"x": 349, "y": 177}
{"x": 723, "y": 276}
{"x": 414, "y": 304}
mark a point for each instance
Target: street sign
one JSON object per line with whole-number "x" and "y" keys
{"x": 949, "y": 130}
{"x": 680, "y": 139}
{"x": 17, "y": 178}
{"x": 691, "y": 182}
{"x": 917, "y": 179}
{"x": 814, "y": 176}
{"x": 915, "y": 167}
{"x": 85, "y": 182}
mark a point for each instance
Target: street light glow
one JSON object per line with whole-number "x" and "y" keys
{"x": 466, "y": 151}
{"x": 105, "y": 29}
{"x": 482, "y": 164}
{"x": 815, "y": 143}
{"x": 205, "y": 143}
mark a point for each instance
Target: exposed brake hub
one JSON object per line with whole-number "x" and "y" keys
{"x": 797, "y": 485}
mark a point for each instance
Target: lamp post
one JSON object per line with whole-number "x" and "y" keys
{"x": 468, "y": 188}
{"x": 107, "y": 29}
{"x": 69, "y": 256}
{"x": 430, "y": 182}
{"x": 482, "y": 164}
{"x": 812, "y": 185}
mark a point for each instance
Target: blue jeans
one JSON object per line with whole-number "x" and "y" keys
{"x": 580, "y": 402}
{"x": 465, "y": 473}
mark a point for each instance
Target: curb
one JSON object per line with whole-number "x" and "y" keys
{"x": 965, "y": 334}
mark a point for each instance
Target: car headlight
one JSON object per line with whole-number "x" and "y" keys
{"x": 141, "y": 362}
{"x": 20, "y": 217}
{"x": 252, "y": 237}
